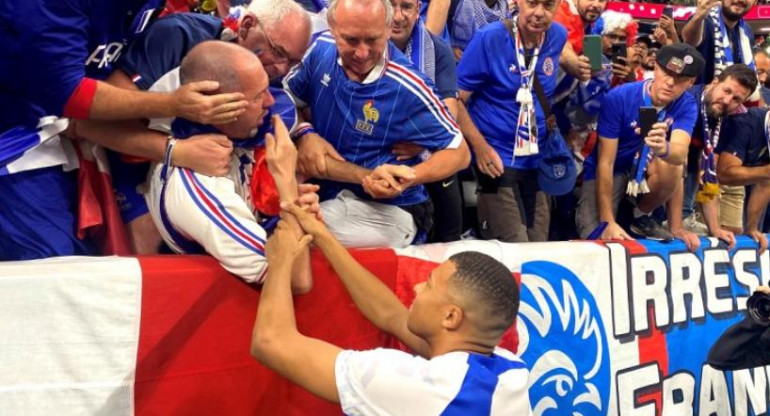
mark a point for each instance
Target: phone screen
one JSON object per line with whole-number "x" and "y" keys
{"x": 592, "y": 48}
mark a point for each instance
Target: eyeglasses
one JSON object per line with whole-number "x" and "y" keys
{"x": 278, "y": 52}
{"x": 406, "y": 8}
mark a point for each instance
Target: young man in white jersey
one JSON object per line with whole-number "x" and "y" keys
{"x": 455, "y": 323}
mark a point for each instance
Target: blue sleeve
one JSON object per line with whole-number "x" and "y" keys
{"x": 611, "y": 115}
{"x": 298, "y": 81}
{"x": 157, "y": 50}
{"x": 430, "y": 125}
{"x": 686, "y": 114}
{"x": 446, "y": 69}
{"x": 473, "y": 68}
{"x": 56, "y": 49}
{"x": 736, "y": 135}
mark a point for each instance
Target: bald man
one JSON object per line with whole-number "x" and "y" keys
{"x": 197, "y": 213}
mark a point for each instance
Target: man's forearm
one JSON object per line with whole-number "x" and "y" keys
{"x": 741, "y": 175}
{"x": 604, "y": 185}
{"x": 344, "y": 171}
{"x": 435, "y": 19}
{"x": 275, "y": 321}
{"x": 113, "y": 103}
{"x": 569, "y": 60}
{"x": 443, "y": 164}
{"x": 302, "y": 279}
{"x": 372, "y": 297}
{"x": 692, "y": 32}
{"x": 760, "y": 197}
{"x": 468, "y": 128}
{"x": 128, "y": 137}
{"x": 711, "y": 215}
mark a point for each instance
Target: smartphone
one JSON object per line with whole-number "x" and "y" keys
{"x": 592, "y": 48}
{"x": 668, "y": 11}
{"x": 646, "y": 28}
{"x": 647, "y": 117}
{"x": 619, "y": 50}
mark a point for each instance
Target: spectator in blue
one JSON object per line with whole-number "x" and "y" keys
{"x": 55, "y": 55}
{"x": 743, "y": 160}
{"x": 624, "y": 162}
{"x": 504, "y": 120}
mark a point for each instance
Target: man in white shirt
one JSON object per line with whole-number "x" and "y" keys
{"x": 455, "y": 323}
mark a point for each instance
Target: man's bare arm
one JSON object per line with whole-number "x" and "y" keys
{"x": 730, "y": 171}
{"x": 375, "y": 300}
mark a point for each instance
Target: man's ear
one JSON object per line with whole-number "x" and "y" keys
{"x": 453, "y": 317}
{"x": 247, "y": 23}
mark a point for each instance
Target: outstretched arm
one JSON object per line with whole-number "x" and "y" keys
{"x": 375, "y": 300}
{"x": 275, "y": 341}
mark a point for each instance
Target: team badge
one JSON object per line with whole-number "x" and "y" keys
{"x": 371, "y": 116}
{"x": 548, "y": 66}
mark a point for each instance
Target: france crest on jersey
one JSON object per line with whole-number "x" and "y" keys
{"x": 363, "y": 120}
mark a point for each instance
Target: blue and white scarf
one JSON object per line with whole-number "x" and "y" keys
{"x": 526, "y": 135}
{"x": 421, "y": 50}
{"x": 724, "y": 55}
{"x": 638, "y": 182}
{"x": 472, "y": 15}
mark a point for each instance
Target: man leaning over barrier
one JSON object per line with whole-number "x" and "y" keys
{"x": 454, "y": 324}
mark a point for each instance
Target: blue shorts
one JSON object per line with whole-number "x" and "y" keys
{"x": 38, "y": 215}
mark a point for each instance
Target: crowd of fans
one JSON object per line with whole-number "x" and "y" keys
{"x": 568, "y": 121}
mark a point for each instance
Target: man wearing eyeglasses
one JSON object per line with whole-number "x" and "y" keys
{"x": 278, "y": 31}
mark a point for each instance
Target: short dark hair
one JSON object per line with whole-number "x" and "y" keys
{"x": 487, "y": 283}
{"x": 743, "y": 74}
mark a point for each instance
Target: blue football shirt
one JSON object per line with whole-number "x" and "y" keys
{"x": 488, "y": 69}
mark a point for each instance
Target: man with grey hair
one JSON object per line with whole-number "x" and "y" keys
{"x": 365, "y": 96}
{"x": 278, "y": 31}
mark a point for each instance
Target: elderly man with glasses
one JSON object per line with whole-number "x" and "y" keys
{"x": 277, "y": 31}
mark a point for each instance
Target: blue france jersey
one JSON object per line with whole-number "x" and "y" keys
{"x": 363, "y": 120}
{"x": 48, "y": 47}
{"x": 488, "y": 69}
{"x": 161, "y": 47}
{"x": 392, "y": 382}
{"x": 619, "y": 117}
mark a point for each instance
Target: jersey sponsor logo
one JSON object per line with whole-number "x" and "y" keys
{"x": 548, "y": 66}
{"x": 325, "y": 80}
{"x": 371, "y": 114}
{"x": 105, "y": 55}
{"x": 566, "y": 314}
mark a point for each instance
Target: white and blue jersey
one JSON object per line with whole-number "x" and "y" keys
{"x": 392, "y": 382}
{"x": 619, "y": 117}
{"x": 195, "y": 213}
{"x": 488, "y": 70}
{"x": 363, "y": 121}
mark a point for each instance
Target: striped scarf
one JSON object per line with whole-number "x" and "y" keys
{"x": 471, "y": 16}
{"x": 724, "y": 55}
{"x": 421, "y": 50}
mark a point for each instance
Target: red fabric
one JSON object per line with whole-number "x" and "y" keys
{"x": 652, "y": 346}
{"x": 178, "y": 6}
{"x": 79, "y": 104}
{"x": 193, "y": 355}
{"x": 574, "y": 25}
{"x": 264, "y": 194}
{"x": 98, "y": 213}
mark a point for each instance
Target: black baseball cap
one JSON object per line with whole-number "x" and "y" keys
{"x": 681, "y": 59}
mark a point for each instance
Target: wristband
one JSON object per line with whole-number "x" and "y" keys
{"x": 170, "y": 143}
{"x": 302, "y": 129}
{"x": 664, "y": 154}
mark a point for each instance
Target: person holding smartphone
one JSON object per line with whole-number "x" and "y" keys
{"x": 622, "y": 156}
